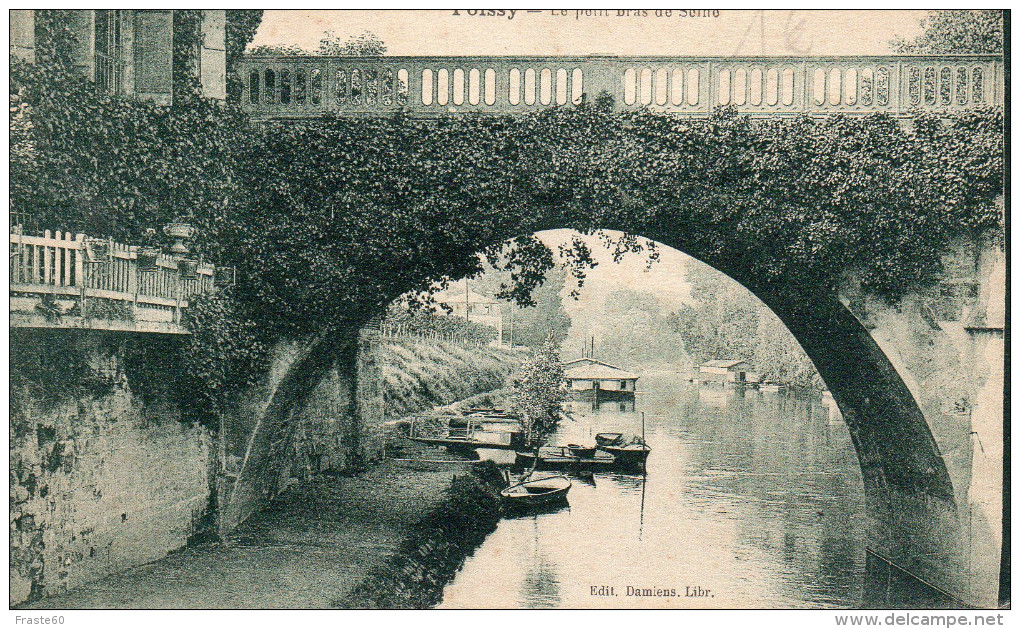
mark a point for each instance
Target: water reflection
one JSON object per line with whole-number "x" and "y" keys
{"x": 541, "y": 587}
{"x": 755, "y": 498}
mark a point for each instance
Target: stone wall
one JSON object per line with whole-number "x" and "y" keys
{"x": 947, "y": 344}
{"x": 100, "y": 480}
{"x": 318, "y": 411}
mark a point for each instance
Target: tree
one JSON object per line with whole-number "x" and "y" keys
{"x": 547, "y": 319}
{"x": 957, "y": 31}
{"x": 728, "y": 322}
{"x": 537, "y": 394}
{"x": 364, "y": 45}
{"x": 721, "y": 323}
{"x": 632, "y": 329}
{"x": 532, "y": 325}
{"x": 281, "y": 50}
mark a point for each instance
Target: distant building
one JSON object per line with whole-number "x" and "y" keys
{"x": 586, "y": 374}
{"x": 130, "y": 52}
{"x": 726, "y": 371}
{"x": 466, "y": 303}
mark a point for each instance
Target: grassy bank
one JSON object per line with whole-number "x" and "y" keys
{"x": 436, "y": 547}
{"x": 420, "y": 374}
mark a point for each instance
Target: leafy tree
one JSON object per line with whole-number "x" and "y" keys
{"x": 537, "y": 394}
{"x": 365, "y": 44}
{"x": 547, "y": 319}
{"x": 721, "y": 324}
{"x": 280, "y": 50}
{"x": 957, "y": 31}
{"x": 777, "y": 355}
{"x": 534, "y": 324}
{"x": 632, "y": 330}
{"x": 728, "y": 322}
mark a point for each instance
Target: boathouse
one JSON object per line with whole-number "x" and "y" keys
{"x": 725, "y": 371}
{"x": 586, "y": 374}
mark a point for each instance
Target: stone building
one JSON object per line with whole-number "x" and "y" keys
{"x": 129, "y": 52}
{"x": 475, "y": 307}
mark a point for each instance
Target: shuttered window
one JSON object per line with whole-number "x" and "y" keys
{"x": 109, "y": 51}
{"x": 153, "y": 53}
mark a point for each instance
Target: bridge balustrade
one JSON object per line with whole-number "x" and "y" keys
{"x": 295, "y": 87}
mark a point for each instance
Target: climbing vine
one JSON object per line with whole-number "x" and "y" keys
{"x": 330, "y": 220}
{"x": 226, "y": 353}
{"x": 363, "y": 210}
{"x": 187, "y": 44}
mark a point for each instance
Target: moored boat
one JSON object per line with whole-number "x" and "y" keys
{"x": 536, "y": 492}
{"x": 562, "y": 457}
{"x": 629, "y": 450}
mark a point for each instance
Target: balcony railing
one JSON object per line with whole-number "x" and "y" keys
{"x": 54, "y": 283}
{"x": 295, "y": 87}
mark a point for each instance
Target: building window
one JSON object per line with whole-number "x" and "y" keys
{"x": 623, "y": 385}
{"x": 109, "y": 50}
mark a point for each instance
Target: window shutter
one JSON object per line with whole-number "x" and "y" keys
{"x": 214, "y": 54}
{"x": 153, "y": 52}
{"x": 23, "y": 34}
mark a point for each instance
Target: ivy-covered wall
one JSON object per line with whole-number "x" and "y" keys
{"x": 796, "y": 204}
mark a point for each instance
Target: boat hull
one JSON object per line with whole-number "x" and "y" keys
{"x": 564, "y": 460}
{"x": 536, "y": 493}
{"x": 629, "y": 450}
{"x": 627, "y": 457}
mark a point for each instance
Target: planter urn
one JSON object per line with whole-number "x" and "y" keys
{"x": 180, "y": 232}
{"x": 147, "y": 258}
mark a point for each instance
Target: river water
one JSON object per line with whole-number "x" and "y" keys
{"x": 750, "y": 500}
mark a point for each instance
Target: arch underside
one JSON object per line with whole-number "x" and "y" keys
{"x": 910, "y": 504}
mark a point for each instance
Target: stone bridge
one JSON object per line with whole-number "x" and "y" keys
{"x": 920, "y": 386}
{"x": 299, "y": 87}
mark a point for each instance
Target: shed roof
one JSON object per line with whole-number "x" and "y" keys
{"x": 724, "y": 363}
{"x": 588, "y": 361}
{"x": 598, "y": 372}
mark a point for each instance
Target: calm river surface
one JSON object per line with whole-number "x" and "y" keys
{"x": 754, "y": 498}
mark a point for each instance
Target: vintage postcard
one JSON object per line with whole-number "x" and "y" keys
{"x": 509, "y": 309}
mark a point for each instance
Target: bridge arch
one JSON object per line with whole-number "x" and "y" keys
{"x": 910, "y": 505}
{"x": 629, "y": 176}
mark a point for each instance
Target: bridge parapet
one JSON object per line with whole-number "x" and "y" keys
{"x": 54, "y": 277}
{"x": 312, "y": 86}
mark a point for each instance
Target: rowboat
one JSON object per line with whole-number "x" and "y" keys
{"x": 629, "y": 450}
{"x": 465, "y": 433}
{"x": 563, "y": 457}
{"x": 537, "y": 492}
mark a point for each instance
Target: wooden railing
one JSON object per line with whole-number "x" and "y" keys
{"x": 295, "y": 87}
{"x": 57, "y": 268}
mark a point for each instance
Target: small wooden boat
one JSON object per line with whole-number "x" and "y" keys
{"x": 629, "y": 450}
{"x": 581, "y": 451}
{"x": 562, "y": 457}
{"x": 536, "y": 492}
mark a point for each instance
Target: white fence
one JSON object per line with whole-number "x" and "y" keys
{"x": 64, "y": 267}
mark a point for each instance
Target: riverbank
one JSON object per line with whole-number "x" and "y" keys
{"x": 421, "y": 374}
{"x": 391, "y": 536}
